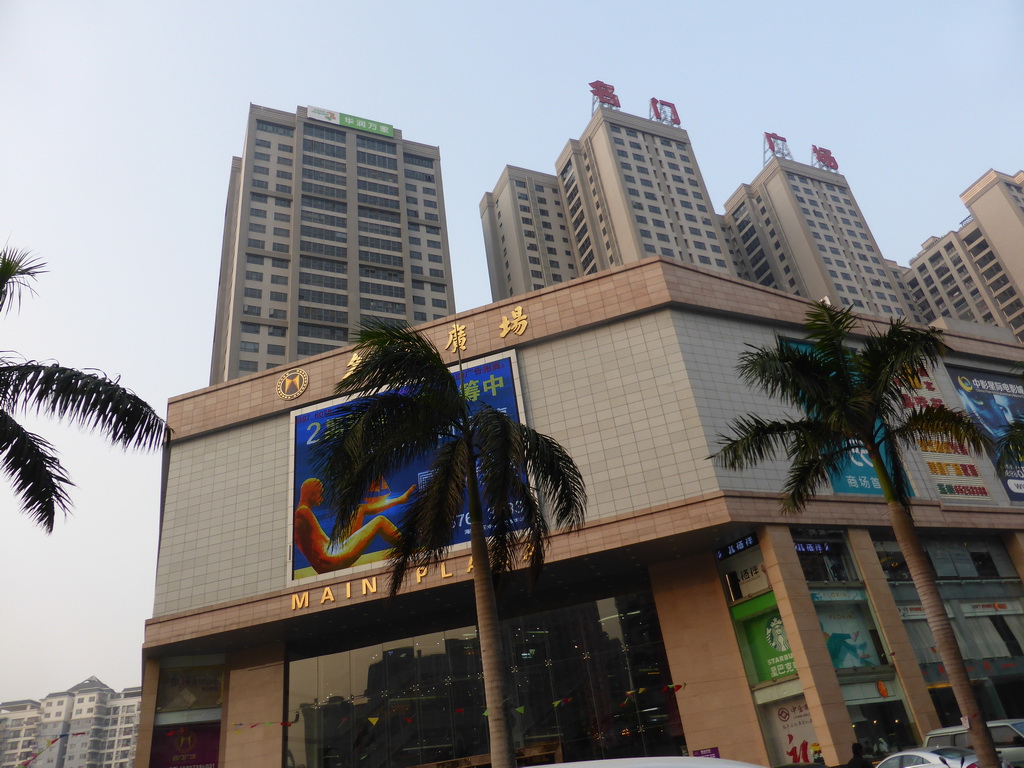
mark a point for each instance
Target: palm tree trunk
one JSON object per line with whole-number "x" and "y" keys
{"x": 492, "y": 659}
{"x": 923, "y": 575}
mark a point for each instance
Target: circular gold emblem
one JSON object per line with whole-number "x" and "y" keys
{"x": 292, "y": 383}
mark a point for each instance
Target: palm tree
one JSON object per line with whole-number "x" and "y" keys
{"x": 90, "y": 400}
{"x": 851, "y": 399}
{"x": 413, "y": 408}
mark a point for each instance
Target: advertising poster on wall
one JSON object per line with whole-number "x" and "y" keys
{"x": 792, "y": 740}
{"x": 950, "y": 465}
{"x": 379, "y": 516}
{"x": 993, "y": 401}
{"x": 186, "y": 746}
{"x": 847, "y": 635}
{"x": 183, "y": 688}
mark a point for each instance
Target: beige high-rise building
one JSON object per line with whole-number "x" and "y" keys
{"x": 331, "y": 220}
{"x": 976, "y": 274}
{"x": 628, "y": 189}
{"x": 798, "y": 228}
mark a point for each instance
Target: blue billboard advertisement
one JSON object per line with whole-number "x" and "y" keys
{"x": 993, "y": 401}
{"x": 378, "y": 518}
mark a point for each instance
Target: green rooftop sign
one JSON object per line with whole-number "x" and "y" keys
{"x": 350, "y": 121}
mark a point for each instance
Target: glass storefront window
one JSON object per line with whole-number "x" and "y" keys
{"x": 984, "y": 598}
{"x": 823, "y": 555}
{"x": 591, "y": 679}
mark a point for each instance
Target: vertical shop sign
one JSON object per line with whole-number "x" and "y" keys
{"x": 950, "y": 465}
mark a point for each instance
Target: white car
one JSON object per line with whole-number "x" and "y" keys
{"x": 943, "y": 757}
{"x": 658, "y": 762}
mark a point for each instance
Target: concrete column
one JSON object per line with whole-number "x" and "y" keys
{"x": 1014, "y": 543}
{"x": 147, "y": 712}
{"x": 831, "y": 719}
{"x": 716, "y": 705}
{"x": 255, "y": 693}
{"x": 894, "y": 634}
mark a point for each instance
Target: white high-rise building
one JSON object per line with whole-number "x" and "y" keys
{"x": 90, "y": 725}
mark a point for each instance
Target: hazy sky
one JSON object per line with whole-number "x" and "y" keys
{"x": 119, "y": 121}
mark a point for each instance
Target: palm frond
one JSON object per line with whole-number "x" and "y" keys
{"x": 370, "y": 438}
{"x": 509, "y": 454}
{"x": 90, "y": 400}
{"x": 428, "y": 525}
{"x": 1009, "y": 451}
{"x": 396, "y": 357}
{"x": 816, "y": 453}
{"x": 804, "y": 479}
{"x": 829, "y": 329}
{"x": 941, "y": 423}
{"x": 18, "y": 268}
{"x": 754, "y": 440}
{"x": 790, "y": 372}
{"x": 890, "y": 362}
{"x": 35, "y": 472}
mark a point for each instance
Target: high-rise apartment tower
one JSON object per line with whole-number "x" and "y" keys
{"x": 629, "y": 188}
{"x": 798, "y": 228}
{"x": 331, "y": 220}
{"x": 976, "y": 273}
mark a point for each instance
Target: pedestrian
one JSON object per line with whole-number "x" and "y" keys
{"x": 858, "y": 760}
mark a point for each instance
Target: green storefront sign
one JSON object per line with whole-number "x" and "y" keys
{"x": 760, "y": 625}
{"x": 350, "y": 121}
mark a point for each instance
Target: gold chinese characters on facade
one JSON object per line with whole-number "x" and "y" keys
{"x": 516, "y": 325}
{"x": 292, "y": 383}
{"x": 353, "y": 361}
{"x": 456, "y": 338}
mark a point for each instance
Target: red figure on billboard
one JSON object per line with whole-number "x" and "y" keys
{"x": 316, "y": 545}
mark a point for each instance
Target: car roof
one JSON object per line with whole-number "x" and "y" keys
{"x": 960, "y": 728}
{"x": 659, "y": 762}
{"x": 922, "y": 752}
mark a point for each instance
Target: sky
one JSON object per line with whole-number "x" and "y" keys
{"x": 120, "y": 120}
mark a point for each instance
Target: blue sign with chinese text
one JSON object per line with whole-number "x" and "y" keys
{"x": 379, "y": 516}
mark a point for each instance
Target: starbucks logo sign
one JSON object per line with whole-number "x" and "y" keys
{"x": 775, "y": 634}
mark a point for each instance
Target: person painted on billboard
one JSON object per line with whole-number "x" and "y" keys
{"x": 315, "y": 544}
{"x": 992, "y": 411}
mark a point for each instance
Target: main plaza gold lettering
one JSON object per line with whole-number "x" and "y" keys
{"x": 332, "y": 593}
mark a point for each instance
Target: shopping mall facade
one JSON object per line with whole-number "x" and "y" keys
{"x": 687, "y": 615}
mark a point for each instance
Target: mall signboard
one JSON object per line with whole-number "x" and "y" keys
{"x": 993, "y": 401}
{"x": 490, "y": 381}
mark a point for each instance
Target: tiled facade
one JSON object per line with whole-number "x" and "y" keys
{"x": 633, "y": 371}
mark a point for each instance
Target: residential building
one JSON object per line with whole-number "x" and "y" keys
{"x": 331, "y": 221}
{"x": 976, "y": 274}
{"x": 19, "y": 726}
{"x": 629, "y": 188}
{"x": 686, "y": 615}
{"x": 798, "y": 228}
{"x": 87, "y": 726}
